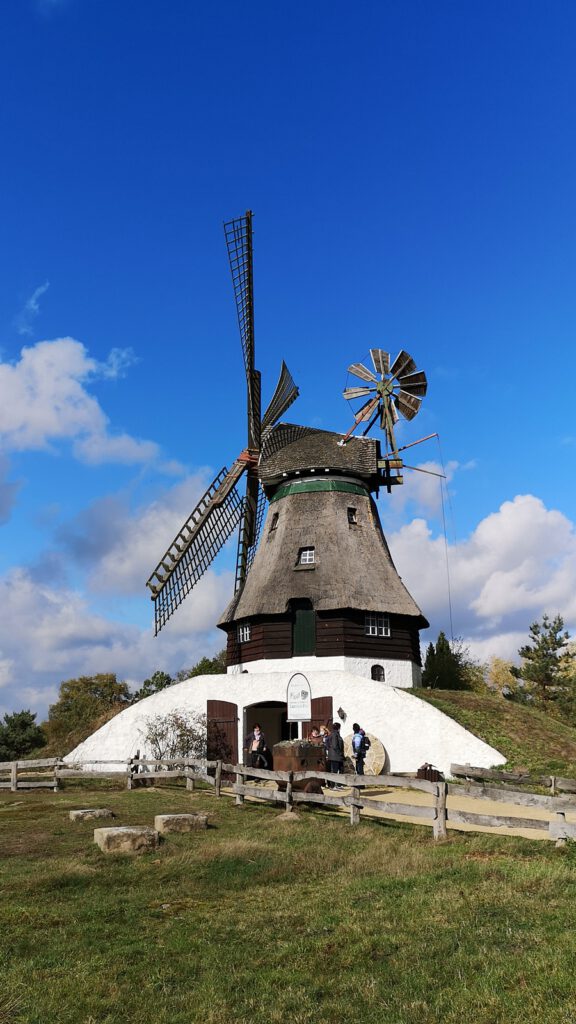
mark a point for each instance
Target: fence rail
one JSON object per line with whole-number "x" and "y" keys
{"x": 439, "y": 811}
{"x": 555, "y": 783}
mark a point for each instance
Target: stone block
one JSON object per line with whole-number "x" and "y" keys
{"x": 89, "y": 813}
{"x": 126, "y": 839}
{"x": 180, "y": 822}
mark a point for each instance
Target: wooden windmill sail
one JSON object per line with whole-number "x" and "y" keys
{"x": 221, "y": 509}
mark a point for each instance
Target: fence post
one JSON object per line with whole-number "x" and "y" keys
{"x": 239, "y": 796}
{"x": 56, "y": 786}
{"x": 129, "y": 774}
{"x": 14, "y": 776}
{"x": 552, "y": 785}
{"x": 189, "y": 779}
{"x": 561, "y": 819}
{"x": 218, "y": 778}
{"x": 439, "y": 825}
{"x": 289, "y": 797}
{"x": 354, "y": 809}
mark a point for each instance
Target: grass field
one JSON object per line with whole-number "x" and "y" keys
{"x": 529, "y": 739}
{"x": 258, "y": 921}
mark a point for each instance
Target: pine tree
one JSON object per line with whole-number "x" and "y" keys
{"x": 544, "y": 660}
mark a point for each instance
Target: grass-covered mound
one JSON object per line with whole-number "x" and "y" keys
{"x": 529, "y": 739}
{"x": 257, "y": 921}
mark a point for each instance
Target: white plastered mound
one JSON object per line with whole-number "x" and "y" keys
{"x": 411, "y": 730}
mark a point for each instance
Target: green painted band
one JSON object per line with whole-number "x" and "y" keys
{"x": 309, "y": 486}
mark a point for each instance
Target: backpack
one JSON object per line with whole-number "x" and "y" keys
{"x": 362, "y": 748}
{"x": 365, "y": 744}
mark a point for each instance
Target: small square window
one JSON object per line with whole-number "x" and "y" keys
{"x": 376, "y": 625}
{"x": 274, "y": 523}
{"x": 243, "y": 634}
{"x": 306, "y": 556}
{"x": 352, "y": 516}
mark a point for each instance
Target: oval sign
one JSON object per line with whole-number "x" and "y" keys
{"x": 299, "y": 699}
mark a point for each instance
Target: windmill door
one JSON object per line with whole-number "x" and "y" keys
{"x": 321, "y": 713}
{"x": 222, "y": 726}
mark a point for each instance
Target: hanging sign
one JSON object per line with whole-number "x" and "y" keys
{"x": 299, "y": 699}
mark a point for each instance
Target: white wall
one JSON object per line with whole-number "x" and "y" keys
{"x": 411, "y": 730}
{"x": 404, "y": 674}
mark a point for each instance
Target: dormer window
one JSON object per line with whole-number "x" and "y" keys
{"x": 306, "y": 556}
{"x": 376, "y": 625}
{"x": 243, "y": 634}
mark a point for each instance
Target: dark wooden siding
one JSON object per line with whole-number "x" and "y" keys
{"x": 272, "y": 639}
{"x": 337, "y": 633}
{"x": 343, "y": 633}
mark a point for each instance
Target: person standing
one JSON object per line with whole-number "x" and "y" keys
{"x": 360, "y": 746}
{"x": 257, "y": 748}
{"x": 335, "y": 751}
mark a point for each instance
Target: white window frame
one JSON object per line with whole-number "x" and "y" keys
{"x": 243, "y": 633}
{"x": 307, "y": 556}
{"x": 376, "y": 625}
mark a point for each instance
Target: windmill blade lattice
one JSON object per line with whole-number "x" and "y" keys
{"x": 389, "y": 390}
{"x": 195, "y": 546}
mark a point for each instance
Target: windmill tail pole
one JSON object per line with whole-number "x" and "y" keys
{"x": 411, "y": 445}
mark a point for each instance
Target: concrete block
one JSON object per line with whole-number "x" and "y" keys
{"x": 88, "y": 813}
{"x": 126, "y": 839}
{"x": 180, "y": 822}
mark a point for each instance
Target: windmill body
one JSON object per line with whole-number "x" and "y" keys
{"x": 323, "y": 590}
{"x": 319, "y": 593}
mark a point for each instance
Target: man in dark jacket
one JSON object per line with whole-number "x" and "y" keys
{"x": 335, "y": 751}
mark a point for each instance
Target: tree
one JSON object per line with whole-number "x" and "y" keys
{"x": 157, "y": 681}
{"x": 500, "y": 677}
{"x": 448, "y": 666}
{"x": 204, "y": 667}
{"x": 83, "y": 705}
{"x": 19, "y": 735}
{"x": 176, "y": 734}
{"x": 546, "y": 661}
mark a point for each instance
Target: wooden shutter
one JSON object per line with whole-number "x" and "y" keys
{"x": 304, "y": 630}
{"x": 321, "y": 713}
{"x": 222, "y": 724}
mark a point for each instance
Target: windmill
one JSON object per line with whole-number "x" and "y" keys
{"x": 391, "y": 391}
{"x": 221, "y": 510}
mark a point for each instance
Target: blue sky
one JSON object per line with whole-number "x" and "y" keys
{"x": 411, "y": 168}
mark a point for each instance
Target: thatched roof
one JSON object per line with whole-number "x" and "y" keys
{"x": 353, "y": 567}
{"x": 288, "y": 449}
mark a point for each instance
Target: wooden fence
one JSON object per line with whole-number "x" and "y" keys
{"x": 49, "y": 772}
{"x": 354, "y": 793}
{"x": 555, "y": 783}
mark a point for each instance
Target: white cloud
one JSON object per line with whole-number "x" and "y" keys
{"x": 25, "y": 318}
{"x": 8, "y": 491}
{"x": 422, "y": 489}
{"x": 45, "y": 400}
{"x": 48, "y": 634}
{"x": 518, "y": 563}
{"x": 119, "y": 546}
{"x": 99, "y": 448}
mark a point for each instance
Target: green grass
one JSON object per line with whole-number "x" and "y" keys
{"x": 530, "y": 740}
{"x": 257, "y": 921}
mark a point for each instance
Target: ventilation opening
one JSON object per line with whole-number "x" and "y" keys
{"x": 352, "y": 516}
{"x": 274, "y": 523}
{"x": 377, "y": 672}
